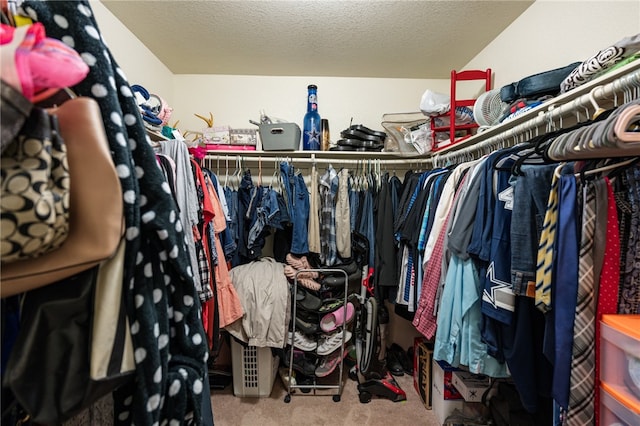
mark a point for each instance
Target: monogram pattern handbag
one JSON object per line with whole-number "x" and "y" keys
{"x": 34, "y": 180}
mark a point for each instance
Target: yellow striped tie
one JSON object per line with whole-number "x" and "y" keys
{"x": 545, "y": 249}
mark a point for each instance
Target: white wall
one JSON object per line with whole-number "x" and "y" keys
{"x": 551, "y": 34}
{"x": 139, "y": 64}
{"x": 234, "y": 100}
{"x": 548, "y": 35}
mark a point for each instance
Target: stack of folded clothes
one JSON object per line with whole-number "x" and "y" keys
{"x": 360, "y": 138}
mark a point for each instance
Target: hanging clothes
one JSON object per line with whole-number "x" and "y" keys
{"x": 314, "y": 213}
{"x": 343, "y": 215}
{"x": 227, "y": 238}
{"x": 205, "y": 216}
{"x": 366, "y": 224}
{"x": 296, "y": 196}
{"x": 187, "y": 198}
{"x": 386, "y": 261}
{"x": 328, "y": 190}
{"x": 424, "y": 319}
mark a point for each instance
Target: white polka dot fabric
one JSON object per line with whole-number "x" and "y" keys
{"x": 170, "y": 358}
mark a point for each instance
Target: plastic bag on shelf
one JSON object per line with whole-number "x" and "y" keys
{"x": 434, "y": 103}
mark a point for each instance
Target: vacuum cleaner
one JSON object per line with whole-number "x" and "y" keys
{"x": 372, "y": 318}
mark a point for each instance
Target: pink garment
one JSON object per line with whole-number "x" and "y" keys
{"x": 34, "y": 63}
{"x": 425, "y": 319}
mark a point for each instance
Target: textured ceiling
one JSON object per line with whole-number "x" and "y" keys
{"x": 349, "y": 38}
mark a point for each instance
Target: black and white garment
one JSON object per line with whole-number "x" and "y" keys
{"x": 162, "y": 304}
{"x": 601, "y": 62}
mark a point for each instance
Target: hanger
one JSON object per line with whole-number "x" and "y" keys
{"x": 628, "y": 117}
{"x": 275, "y": 183}
{"x": 236, "y": 177}
{"x": 592, "y": 98}
{"x": 226, "y": 172}
{"x": 576, "y": 142}
{"x": 614, "y": 166}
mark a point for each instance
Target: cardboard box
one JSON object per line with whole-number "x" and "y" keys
{"x": 445, "y": 397}
{"x": 422, "y": 359}
{"x": 471, "y": 386}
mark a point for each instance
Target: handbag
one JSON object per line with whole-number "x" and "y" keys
{"x": 34, "y": 180}
{"x": 96, "y": 222}
{"x": 111, "y": 353}
{"x": 67, "y": 356}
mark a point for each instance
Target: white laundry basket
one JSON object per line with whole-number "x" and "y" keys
{"x": 254, "y": 370}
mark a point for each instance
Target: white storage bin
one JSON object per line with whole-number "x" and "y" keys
{"x": 620, "y": 354}
{"x": 615, "y": 413}
{"x": 254, "y": 370}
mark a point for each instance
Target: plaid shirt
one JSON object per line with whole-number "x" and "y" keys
{"x": 328, "y": 190}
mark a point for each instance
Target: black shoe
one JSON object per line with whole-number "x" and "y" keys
{"x": 402, "y": 358}
{"x": 393, "y": 364}
{"x": 300, "y": 362}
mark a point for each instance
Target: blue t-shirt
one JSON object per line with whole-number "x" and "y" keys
{"x": 491, "y": 240}
{"x": 498, "y": 299}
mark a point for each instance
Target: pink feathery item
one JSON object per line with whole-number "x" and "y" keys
{"x": 41, "y": 63}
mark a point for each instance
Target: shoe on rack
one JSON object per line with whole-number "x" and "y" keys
{"x": 306, "y": 326}
{"x": 337, "y": 280}
{"x": 330, "y": 342}
{"x": 329, "y": 363}
{"x": 292, "y": 273}
{"x": 349, "y": 266}
{"x": 309, "y": 283}
{"x": 306, "y": 380}
{"x": 301, "y": 363}
{"x": 298, "y": 262}
{"x": 337, "y": 318}
{"x": 330, "y": 305}
{"x": 307, "y": 300}
{"x": 302, "y": 341}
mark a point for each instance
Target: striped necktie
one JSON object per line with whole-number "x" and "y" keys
{"x": 545, "y": 249}
{"x": 582, "y": 380}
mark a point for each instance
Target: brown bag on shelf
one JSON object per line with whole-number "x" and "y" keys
{"x": 96, "y": 222}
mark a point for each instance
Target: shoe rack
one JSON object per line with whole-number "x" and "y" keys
{"x": 325, "y": 384}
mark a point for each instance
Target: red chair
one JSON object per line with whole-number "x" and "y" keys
{"x": 452, "y": 128}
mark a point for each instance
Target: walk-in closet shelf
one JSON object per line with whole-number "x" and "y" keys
{"x": 564, "y": 110}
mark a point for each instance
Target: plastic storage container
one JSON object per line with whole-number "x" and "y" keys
{"x": 614, "y": 412}
{"x": 620, "y": 355}
{"x": 254, "y": 370}
{"x": 280, "y": 136}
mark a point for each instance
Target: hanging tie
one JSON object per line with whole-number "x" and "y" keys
{"x": 565, "y": 284}
{"x": 545, "y": 249}
{"x": 582, "y": 388}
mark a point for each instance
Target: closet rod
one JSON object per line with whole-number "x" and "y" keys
{"x": 545, "y": 118}
{"x": 314, "y": 160}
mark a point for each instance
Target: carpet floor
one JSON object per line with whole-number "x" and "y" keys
{"x": 319, "y": 409}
